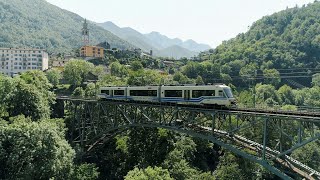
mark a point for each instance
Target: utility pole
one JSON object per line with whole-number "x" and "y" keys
{"x": 254, "y": 89}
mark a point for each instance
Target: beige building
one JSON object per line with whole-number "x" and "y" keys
{"x": 92, "y": 51}
{"x": 16, "y": 60}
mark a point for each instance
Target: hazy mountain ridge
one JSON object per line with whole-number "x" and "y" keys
{"x": 37, "y": 23}
{"x": 176, "y": 52}
{"x": 129, "y": 34}
{"x": 160, "y": 44}
{"x": 163, "y": 41}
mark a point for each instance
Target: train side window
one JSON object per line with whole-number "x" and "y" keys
{"x": 105, "y": 92}
{"x": 199, "y": 93}
{"x": 173, "y": 93}
{"x": 196, "y": 93}
{"x": 221, "y": 94}
{"x": 143, "y": 93}
{"x": 118, "y": 92}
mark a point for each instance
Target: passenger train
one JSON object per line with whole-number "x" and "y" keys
{"x": 218, "y": 94}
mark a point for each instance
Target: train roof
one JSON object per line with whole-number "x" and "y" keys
{"x": 178, "y": 85}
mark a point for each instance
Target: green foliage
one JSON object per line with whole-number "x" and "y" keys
{"x": 248, "y": 71}
{"x": 76, "y": 71}
{"x": 284, "y": 40}
{"x": 272, "y": 76}
{"x": 316, "y": 79}
{"x": 309, "y": 155}
{"x": 118, "y": 70}
{"x": 7, "y": 86}
{"x": 34, "y": 150}
{"x": 177, "y": 160}
{"x": 122, "y": 143}
{"x": 85, "y": 172}
{"x": 181, "y": 79}
{"x": 156, "y": 173}
{"x": 266, "y": 94}
{"x": 54, "y": 76}
{"x": 144, "y": 78}
{"x": 78, "y": 92}
{"x": 136, "y": 65}
{"x": 90, "y": 90}
{"x": 233, "y": 167}
{"x": 109, "y": 80}
{"x": 286, "y": 94}
{"x": 28, "y": 95}
{"x": 199, "y": 80}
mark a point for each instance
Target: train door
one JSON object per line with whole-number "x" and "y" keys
{"x": 186, "y": 94}
{"x": 111, "y": 94}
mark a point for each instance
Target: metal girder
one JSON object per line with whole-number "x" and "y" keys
{"x": 90, "y": 121}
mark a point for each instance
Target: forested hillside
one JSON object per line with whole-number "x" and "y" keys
{"x": 288, "y": 39}
{"x": 36, "y": 23}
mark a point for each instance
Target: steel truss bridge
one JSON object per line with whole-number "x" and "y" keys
{"x": 264, "y": 137}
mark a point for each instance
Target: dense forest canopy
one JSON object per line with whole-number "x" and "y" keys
{"x": 285, "y": 41}
{"x": 288, "y": 39}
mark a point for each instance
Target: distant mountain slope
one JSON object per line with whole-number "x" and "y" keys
{"x": 36, "y": 23}
{"x": 176, "y": 52}
{"x": 162, "y": 41}
{"x": 160, "y": 44}
{"x": 130, "y": 35}
{"x": 287, "y": 39}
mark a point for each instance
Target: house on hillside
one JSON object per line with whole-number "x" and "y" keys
{"x": 93, "y": 52}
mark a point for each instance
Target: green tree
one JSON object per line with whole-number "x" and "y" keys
{"x": 90, "y": 90}
{"x": 309, "y": 155}
{"x": 316, "y": 79}
{"x": 156, "y": 173}
{"x": 85, "y": 172}
{"x": 144, "y": 78}
{"x": 199, "y": 80}
{"x": 249, "y": 71}
{"x": 286, "y": 95}
{"x": 35, "y": 150}
{"x": 181, "y": 79}
{"x": 28, "y": 95}
{"x": 266, "y": 94}
{"x": 76, "y": 71}
{"x": 7, "y": 87}
{"x": 177, "y": 161}
{"x": 136, "y": 65}
{"x": 54, "y": 76}
{"x": 272, "y": 76}
{"x": 78, "y": 92}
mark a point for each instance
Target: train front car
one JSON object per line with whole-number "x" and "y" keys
{"x": 217, "y": 95}
{"x": 230, "y": 99}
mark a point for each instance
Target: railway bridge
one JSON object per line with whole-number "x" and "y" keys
{"x": 276, "y": 133}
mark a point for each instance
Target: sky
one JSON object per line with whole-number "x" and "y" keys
{"x": 205, "y": 21}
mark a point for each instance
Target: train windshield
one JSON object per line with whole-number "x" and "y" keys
{"x": 228, "y": 92}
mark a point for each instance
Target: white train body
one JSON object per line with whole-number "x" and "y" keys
{"x": 188, "y": 94}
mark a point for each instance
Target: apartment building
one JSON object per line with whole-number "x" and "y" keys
{"x": 16, "y": 60}
{"x": 92, "y": 51}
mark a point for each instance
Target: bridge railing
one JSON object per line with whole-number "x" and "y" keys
{"x": 278, "y": 108}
